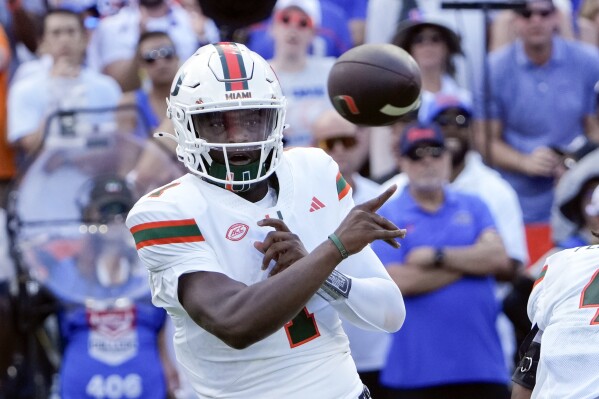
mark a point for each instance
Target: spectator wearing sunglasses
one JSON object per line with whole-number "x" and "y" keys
{"x": 503, "y": 26}
{"x": 333, "y": 36}
{"x": 347, "y": 144}
{"x": 303, "y": 76}
{"x": 434, "y": 46}
{"x": 449, "y": 346}
{"x": 158, "y": 61}
{"x": 542, "y": 103}
{"x": 112, "y": 46}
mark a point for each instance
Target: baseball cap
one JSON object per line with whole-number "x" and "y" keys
{"x": 443, "y": 102}
{"x": 592, "y": 208}
{"x": 109, "y": 196}
{"x": 310, "y": 7}
{"x": 417, "y": 134}
{"x": 407, "y": 29}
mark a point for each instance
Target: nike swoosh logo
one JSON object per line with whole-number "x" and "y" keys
{"x": 397, "y": 111}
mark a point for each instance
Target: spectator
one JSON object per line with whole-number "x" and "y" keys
{"x": 449, "y": 346}
{"x": 112, "y": 46}
{"x": 503, "y": 29}
{"x": 7, "y": 163}
{"x": 355, "y": 15}
{"x": 588, "y": 22}
{"x": 68, "y": 85}
{"x": 434, "y": 47}
{"x": 158, "y": 60}
{"x": 347, "y": 144}
{"x": 205, "y": 29}
{"x": 303, "y": 77}
{"x": 111, "y": 336}
{"x": 22, "y": 22}
{"x": 332, "y": 36}
{"x": 542, "y": 100}
{"x": 384, "y": 16}
{"x": 572, "y": 194}
{"x": 471, "y": 176}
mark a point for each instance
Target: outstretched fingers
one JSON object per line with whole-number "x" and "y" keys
{"x": 389, "y": 231}
{"x": 375, "y": 203}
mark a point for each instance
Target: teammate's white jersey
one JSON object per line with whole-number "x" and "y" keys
{"x": 564, "y": 303}
{"x": 191, "y": 225}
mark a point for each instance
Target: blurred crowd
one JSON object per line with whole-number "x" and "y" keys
{"x": 508, "y": 110}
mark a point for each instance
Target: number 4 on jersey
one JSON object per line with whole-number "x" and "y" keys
{"x": 589, "y": 298}
{"x": 302, "y": 328}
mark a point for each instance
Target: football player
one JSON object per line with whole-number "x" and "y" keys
{"x": 562, "y": 357}
{"x": 256, "y": 251}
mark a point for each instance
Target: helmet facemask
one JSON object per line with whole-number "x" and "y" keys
{"x": 238, "y": 146}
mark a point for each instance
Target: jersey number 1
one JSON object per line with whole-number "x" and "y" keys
{"x": 302, "y": 328}
{"x": 589, "y": 298}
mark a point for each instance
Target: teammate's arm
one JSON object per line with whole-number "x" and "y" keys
{"x": 525, "y": 372}
{"x": 520, "y": 392}
{"x": 242, "y": 315}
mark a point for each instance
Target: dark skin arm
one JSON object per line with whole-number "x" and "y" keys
{"x": 242, "y": 315}
{"x": 520, "y": 392}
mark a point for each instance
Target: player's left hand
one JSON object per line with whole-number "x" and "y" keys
{"x": 280, "y": 245}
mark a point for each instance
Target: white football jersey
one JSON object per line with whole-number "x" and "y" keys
{"x": 564, "y": 303}
{"x": 190, "y": 225}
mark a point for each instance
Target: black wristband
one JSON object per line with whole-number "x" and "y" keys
{"x": 525, "y": 373}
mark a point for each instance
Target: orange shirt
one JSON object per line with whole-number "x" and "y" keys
{"x": 7, "y": 162}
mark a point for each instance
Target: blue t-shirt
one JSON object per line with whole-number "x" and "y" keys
{"x": 449, "y": 335}
{"x": 540, "y": 106}
{"x": 151, "y": 120}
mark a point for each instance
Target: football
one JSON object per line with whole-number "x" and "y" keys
{"x": 374, "y": 84}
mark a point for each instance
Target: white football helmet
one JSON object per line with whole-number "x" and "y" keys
{"x": 217, "y": 79}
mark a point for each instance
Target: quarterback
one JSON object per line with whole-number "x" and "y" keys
{"x": 256, "y": 252}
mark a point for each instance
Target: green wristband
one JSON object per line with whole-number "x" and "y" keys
{"x": 333, "y": 237}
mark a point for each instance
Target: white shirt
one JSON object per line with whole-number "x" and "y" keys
{"x": 448, "y": 87}
{"x": 564, "y": 303}
{"x": 31, "y": 100}
{"x": 307, "y": 96}
{"x": 221, "y": 228}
